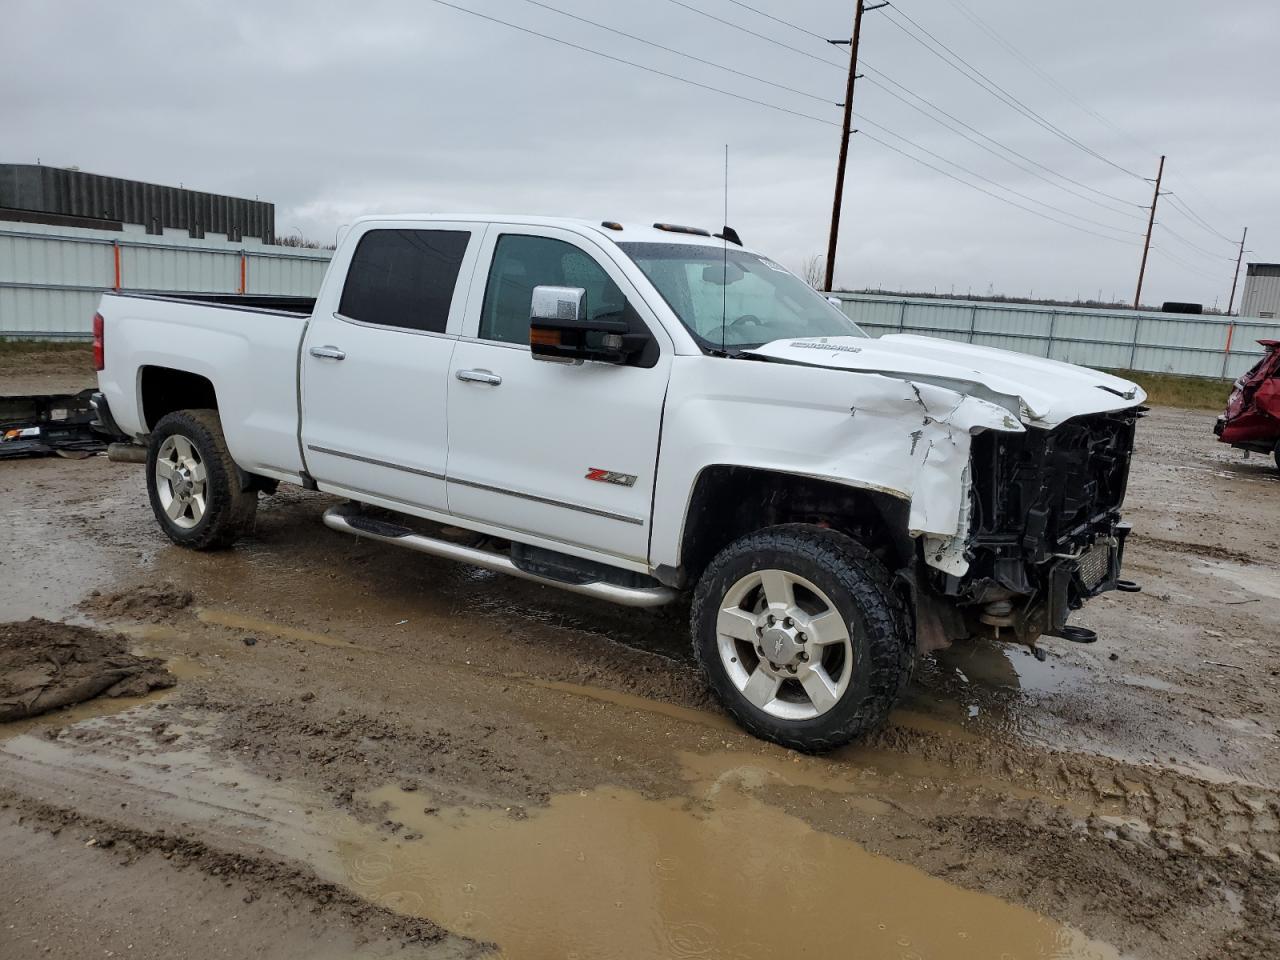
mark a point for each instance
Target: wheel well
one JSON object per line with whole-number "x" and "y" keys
{"x": 729, "y": 502}
{"x": 165, "y": 390}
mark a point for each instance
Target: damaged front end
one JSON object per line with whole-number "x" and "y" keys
{"x": 1045, "y": 531}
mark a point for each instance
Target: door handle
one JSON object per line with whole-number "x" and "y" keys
{"x": 327, "y": 353}
{"x": 479, "y": 376}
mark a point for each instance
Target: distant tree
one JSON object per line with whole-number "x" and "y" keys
{"x": 814, "y": 270}
{"x": 298, "y": 240}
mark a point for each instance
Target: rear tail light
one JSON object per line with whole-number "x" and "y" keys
{"x": 99, "y": 346}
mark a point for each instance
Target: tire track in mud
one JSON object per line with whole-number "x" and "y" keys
{"x": 1171, "y": 806}
{"x": 1209, "y": 550}
{"x": 125, "y": 844}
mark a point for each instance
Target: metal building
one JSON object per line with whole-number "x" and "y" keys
{"x": 1261, "y": 291}
{"x": 30, "y": 193}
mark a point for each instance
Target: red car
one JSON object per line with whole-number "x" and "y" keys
{"x": 1252, "y": 419}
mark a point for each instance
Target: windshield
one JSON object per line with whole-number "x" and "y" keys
{"x": 738, "y": 299}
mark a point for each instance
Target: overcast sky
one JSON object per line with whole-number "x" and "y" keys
{"x": 334, "y": 110}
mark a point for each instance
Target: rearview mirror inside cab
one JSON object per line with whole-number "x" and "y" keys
{"x": 560, "y": 328}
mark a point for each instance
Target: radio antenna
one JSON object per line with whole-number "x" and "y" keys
{"x": 724, "y": 238}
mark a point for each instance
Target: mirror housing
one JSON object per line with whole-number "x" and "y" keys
{"x": 559, "y": 329}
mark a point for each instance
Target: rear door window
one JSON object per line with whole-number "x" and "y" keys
{"x": 404, "y": 278}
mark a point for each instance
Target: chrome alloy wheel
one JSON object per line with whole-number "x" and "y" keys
{"x": 784, "y": 645}
{"x": 180, "y": 481}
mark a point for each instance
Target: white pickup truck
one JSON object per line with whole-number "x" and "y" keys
{"x": 632, "y": 412}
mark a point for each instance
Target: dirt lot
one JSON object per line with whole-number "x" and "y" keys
{"x": 370, "y": 753}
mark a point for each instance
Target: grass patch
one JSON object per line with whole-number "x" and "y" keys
{"x": 15, "y": 347}
{"x": 1171, "y": 390}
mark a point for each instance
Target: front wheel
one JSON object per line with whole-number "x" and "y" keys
{"x": 801, "y": 637}
{"x": 194, "y": 485}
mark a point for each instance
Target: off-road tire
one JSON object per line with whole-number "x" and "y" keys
{"x": 860, "y": 587}
{"x": 229, "y": 511}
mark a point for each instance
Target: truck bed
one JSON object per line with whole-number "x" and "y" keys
{"x": 243, "y": 349}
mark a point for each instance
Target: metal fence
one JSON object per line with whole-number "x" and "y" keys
{"x": 51, "y": 277}
{"x": 1198, "y": 346}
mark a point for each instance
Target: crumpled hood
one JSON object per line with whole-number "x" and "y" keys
{"x": 1040, "y": 392}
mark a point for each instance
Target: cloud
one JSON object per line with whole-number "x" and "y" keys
{"x": 332, "y": 110}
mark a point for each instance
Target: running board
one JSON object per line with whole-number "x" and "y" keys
{"x": 346, "y": 519}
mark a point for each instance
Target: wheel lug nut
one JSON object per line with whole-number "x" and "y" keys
{"x": 804, "y": 657}
{"x": 786, "y": 622}
{"x": 802, "y": 637}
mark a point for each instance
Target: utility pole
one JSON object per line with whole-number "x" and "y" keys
{"x": 1146, "y": 247}
{"x": 1235, "y": 277}
{"x": 845, "y": 133}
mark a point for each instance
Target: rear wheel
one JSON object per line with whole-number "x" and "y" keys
{"x": 801, "y": 637}
{"x": 194, "y": 485}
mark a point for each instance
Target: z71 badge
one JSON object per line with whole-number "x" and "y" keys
{"x": 610, "y": 476}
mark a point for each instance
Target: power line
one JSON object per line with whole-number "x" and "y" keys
{"x": 1002, "y": 146}
{"x": 1030, "y": 63}
{"x": 986, "y": 83}
{"x": 779, "y": 20}
{"x": 1180, "y": 238}
{"x": 761, "y": 36}
{"x": 1040, "y": 72}
{"x": 977, "y": 176}
{"x": 887, "y": 79}
{"x": 718, "y": 66}
{"x": 1165, "y": 252}
{"x": 772, "y": 106}
{"x": 679, "y": 53}
{"x": 1012, "y": 203}
{"x": 1212, "y": 210}
{"x": 1181, "y": 204}
{"x": 632, "y": 63}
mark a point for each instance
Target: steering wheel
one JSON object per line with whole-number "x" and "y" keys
{"x": 746, "y": 320}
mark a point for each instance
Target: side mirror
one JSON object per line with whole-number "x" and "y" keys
{"x": 559, "y": 329}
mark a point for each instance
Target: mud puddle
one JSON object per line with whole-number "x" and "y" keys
{"x": 609, "y": 873}
{"x": 46, "y": 572}
{"x": 629, "y": 701}
{"x": 249, "y": 624}
{"x": 602, "y": 873}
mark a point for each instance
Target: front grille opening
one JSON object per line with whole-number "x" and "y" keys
{"x": 1050, "y": 491}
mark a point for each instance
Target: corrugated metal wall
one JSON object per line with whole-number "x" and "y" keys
{"x": 1200, "y": 346}
{"x": 51, "y": 277}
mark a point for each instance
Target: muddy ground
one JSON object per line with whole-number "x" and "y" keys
{"x": 372, "y": 753}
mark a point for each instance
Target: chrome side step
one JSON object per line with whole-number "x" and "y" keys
{"x": 347, "y": 520}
